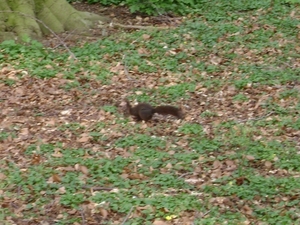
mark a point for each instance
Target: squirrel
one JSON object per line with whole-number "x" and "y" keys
{"x": 144, "y": 111}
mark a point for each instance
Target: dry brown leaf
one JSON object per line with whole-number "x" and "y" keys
{"x": 117, "y": 68}
{"x": 84, "y": 170}
{"x": 241, "y": 180}
{"x": 250, "y": 157}
{"x": 2, "y": 176}
{"x": 268, "y": 164}
{"x": 57, "y": 155}
{"x": 143, "y": 51}
{"x": 217, "y": 164}
{"x": 160, "y": 222}
{"x": 216, "y": 173}
{"x": 169, "y": 166}
{"x": 62, "y": 190}
{"x": 103, "y": 212}
{"x": 146, "y": 36}
{"x": 48, "y": 66}
{"x": 56, "y": 178}
{"x": 24, "y": 131}
{"x": 72, "y": 211}
{"x": 36, "y": 159}
{"x": 66, "y": 112}
{"x": 84, "y": 138}
{"x": 247, "y": 210}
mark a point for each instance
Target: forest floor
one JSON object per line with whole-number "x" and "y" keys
{"x": 70, "y": 154}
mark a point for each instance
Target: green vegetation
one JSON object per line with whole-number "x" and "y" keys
{"x": 70, "y": 155}
{"x": 151, "y": 7}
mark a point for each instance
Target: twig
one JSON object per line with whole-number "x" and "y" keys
{"x": 184, "y": 174}
{"x": 200, "y": 216}
{"x": 137, "y": 27}
{"x": 82, "y": 216}
{"x": 19, "y": 190}
{"x": 206, "y": 213}
{"x": 65, "y": 38}
{"x": 48, "y": 28}
{"x": 98, "y": 188}
{"x": 159, "y": 11}
{"x": 255, "y": 119}
{"x": 127, "y": 216}
{"x": 125, "y": 66}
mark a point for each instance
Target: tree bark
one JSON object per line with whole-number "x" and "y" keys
{"x": 35, "y": 18}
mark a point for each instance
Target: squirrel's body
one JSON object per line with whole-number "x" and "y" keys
{"x": 144, "y": 111}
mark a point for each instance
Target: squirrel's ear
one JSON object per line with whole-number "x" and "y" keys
{"x": 123, "y": 103}
{"x": 124, "y": 106}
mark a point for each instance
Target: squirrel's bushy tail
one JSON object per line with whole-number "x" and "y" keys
{"x": 167, "y": 109}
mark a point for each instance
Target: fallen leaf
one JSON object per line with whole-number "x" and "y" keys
{"x": 250, "y": 157}
{"x": 268, "y": 164}
{"x": 56, "y": 178}
{"x": 103, "y": 212}
{"x": 2, "y": 176}
{"x": 84, "y": 170}
{"x": 159, "y": 222}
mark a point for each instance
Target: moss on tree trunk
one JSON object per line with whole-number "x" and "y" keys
{"x": 23, "y": 17}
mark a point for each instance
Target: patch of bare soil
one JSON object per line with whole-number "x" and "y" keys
{"x": 121, "y": 20}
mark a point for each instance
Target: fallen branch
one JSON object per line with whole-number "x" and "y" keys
{"x": 98, "y": 188}
{"x": 255, "y": 119}
{"x": 137, "y": 27}
{"x": 82, "y": 216}
{"x": 127, "y": 216}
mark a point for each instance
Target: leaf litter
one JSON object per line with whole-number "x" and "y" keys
{"x": 41, "y": 111}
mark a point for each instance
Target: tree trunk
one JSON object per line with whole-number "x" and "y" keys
{"x": 35, "y": 18}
